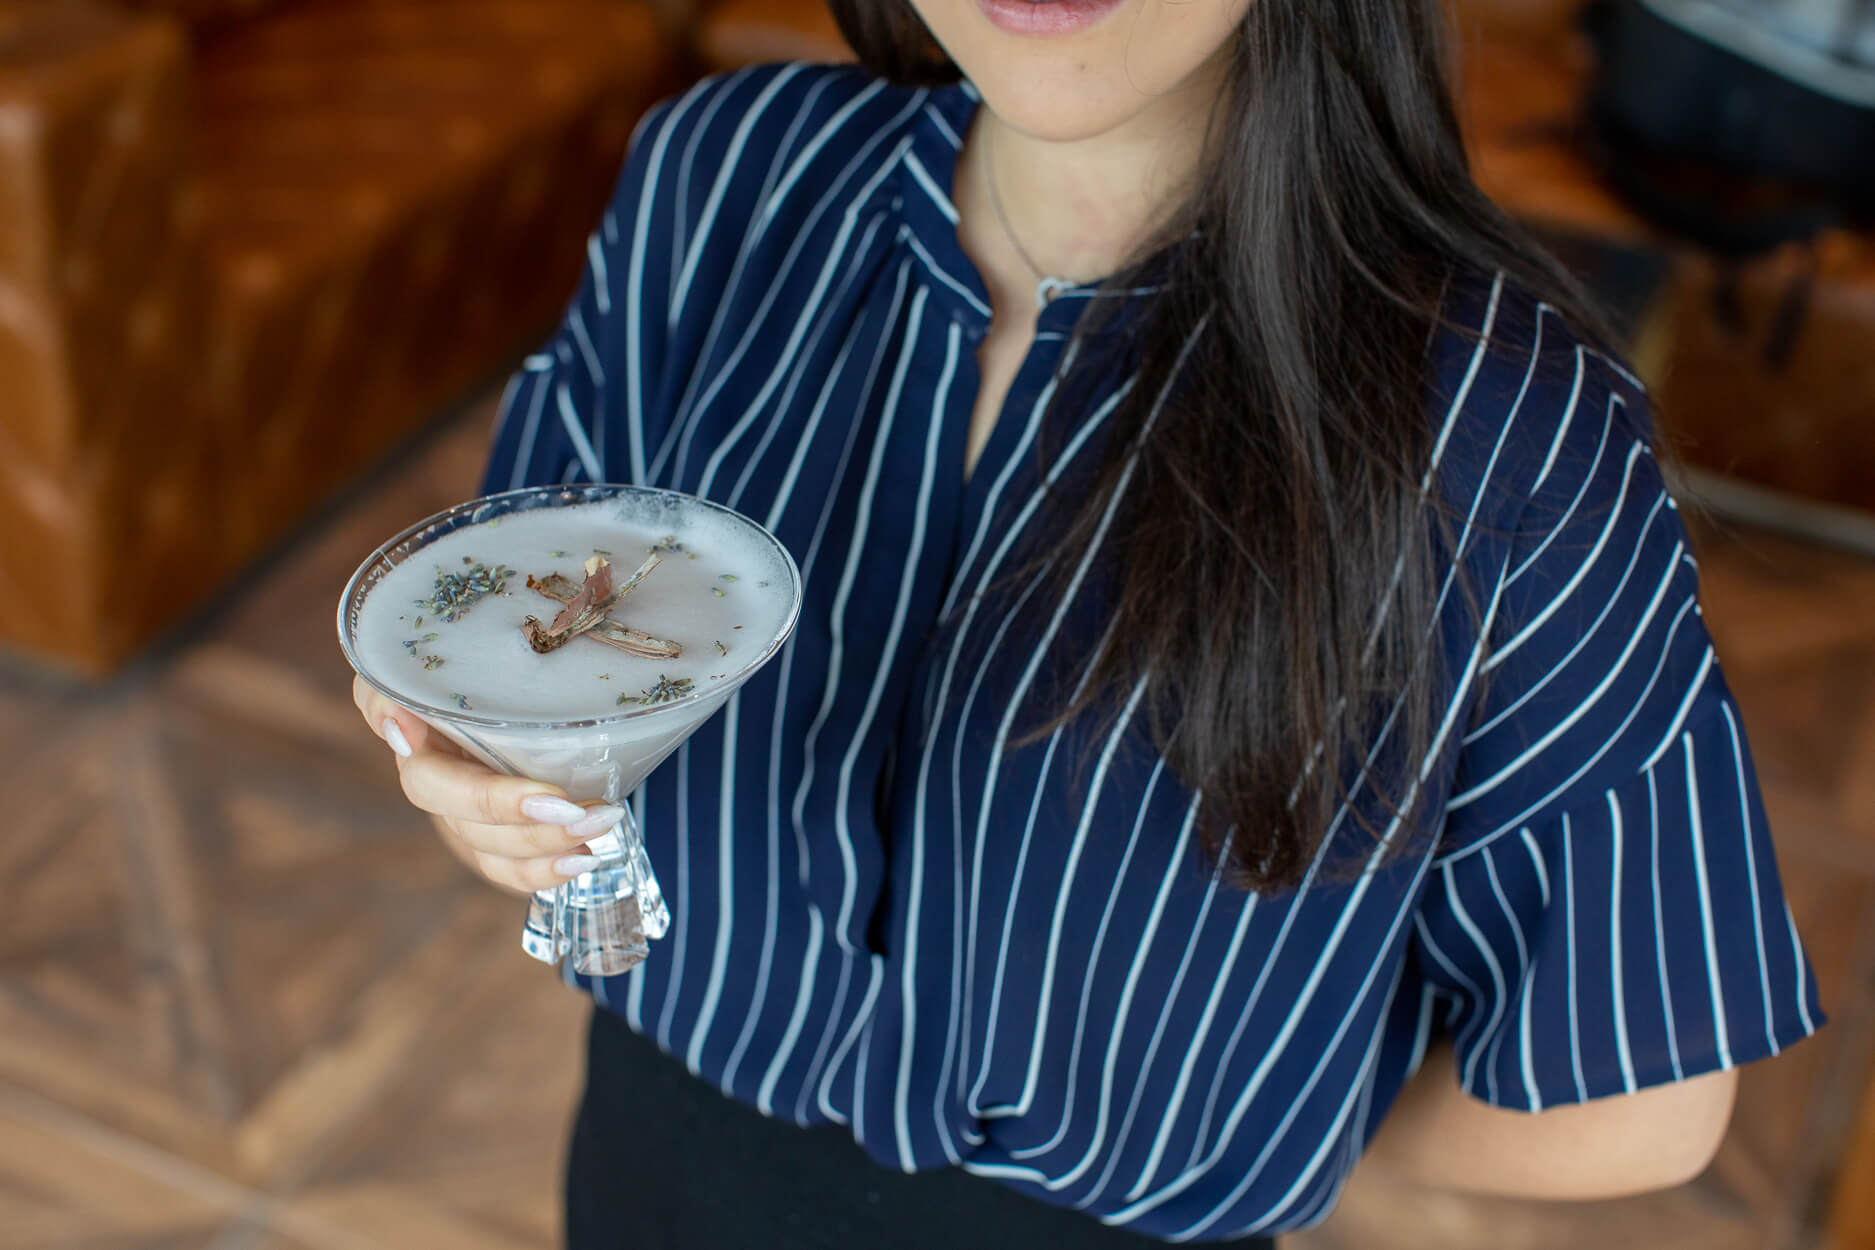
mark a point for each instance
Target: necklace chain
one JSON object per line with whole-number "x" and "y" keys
{"x": 1046, "y": 286}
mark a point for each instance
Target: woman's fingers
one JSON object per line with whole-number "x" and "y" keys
{"x": 461, "y": 789}
{"x": 539, "y": 873}
{"x": 520, "y": 834}
{"x": 532, "y": 841}
{"x": 403, "y": 732}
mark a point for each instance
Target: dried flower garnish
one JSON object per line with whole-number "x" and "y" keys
{"x": 432, "y": 662}
{"x": 584, "y": 610}
{"x": 463, "y": 702}
{"x": 416, "y": 624}
{"x": 411, "y": 644}
{"x": 558, "y": 555}
{"x": 667, "y": 546}
{"x": 632, "y": 641}
{"x": 664, "y": 692}
{"x": 727, "y": 577}
{"x": 601, "y": 551}
{"x": 721, "y": 647}
{"x": 719, "y": 592}
{"x": 456, "y": 593}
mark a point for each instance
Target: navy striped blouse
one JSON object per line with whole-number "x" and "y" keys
{"x": 891, "y": 916}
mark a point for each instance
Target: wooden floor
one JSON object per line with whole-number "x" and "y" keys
{"x": 246, "y": 1001}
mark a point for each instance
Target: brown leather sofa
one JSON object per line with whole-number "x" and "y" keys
{"x": 246, "y": 246}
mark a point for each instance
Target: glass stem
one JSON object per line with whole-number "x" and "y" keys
{"x": 600, "y": 920}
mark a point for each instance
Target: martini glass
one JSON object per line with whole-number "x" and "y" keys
{"x": 600, "y": 920}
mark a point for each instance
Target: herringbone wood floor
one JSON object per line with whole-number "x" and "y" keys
{"x": 247, "y": 1002}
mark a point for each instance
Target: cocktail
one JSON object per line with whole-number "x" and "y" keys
{"x": 577, "y": 635}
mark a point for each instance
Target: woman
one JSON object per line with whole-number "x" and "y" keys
{"x": 1250, "y": 708}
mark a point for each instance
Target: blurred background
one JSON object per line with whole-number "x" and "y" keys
{"x": 263, "y": 264}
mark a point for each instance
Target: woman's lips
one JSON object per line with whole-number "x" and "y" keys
{"x": 1046, "y": 17}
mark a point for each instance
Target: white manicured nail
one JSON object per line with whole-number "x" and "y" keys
{"x": 573, "y": 865}
{"x": 549, "y": 810}
{"x": 395, "y": 736}
{"x": 596, "y": 820}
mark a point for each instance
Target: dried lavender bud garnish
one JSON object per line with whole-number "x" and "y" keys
{"x": 727, "y": 577}
{"x": 463, "y": 702}
{"x": 721, "y": 647}
{"x": 719, "y": 592}
{"x": 605, "y": 677}
{"x": 664, "y": 692}
{"x": 411, "y": 644}
{"x": 457, "y": 592}
{"x": 558, "y": 555}
{"x": 432, "y": 662}
{"x": 416, "y": 624}
{"x": 601, "y": 551}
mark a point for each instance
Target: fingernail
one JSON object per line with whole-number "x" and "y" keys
{"x": 549, "y": 810}
{"x": 597, "y": 820}
{"x": 395, "y": 736}
{"x": 573, "y": 865}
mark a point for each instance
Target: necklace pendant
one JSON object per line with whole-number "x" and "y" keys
{"x": 1047, "y": 289}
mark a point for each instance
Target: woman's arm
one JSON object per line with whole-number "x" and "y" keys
{"x": 1440, "y": 1136}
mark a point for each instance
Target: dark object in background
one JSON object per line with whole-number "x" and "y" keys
{"x": 1740, "y": 124}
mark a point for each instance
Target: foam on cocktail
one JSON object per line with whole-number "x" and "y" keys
{"x": 720, "y": 591}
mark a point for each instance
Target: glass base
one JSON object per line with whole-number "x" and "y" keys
{"x": 599, "y": 922}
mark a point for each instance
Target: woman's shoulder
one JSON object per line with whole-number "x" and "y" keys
{"x": 741, "y": 143}
{"x": 1529, "y": 406}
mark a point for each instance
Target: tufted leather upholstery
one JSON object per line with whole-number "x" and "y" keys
{"x": 733, "y": 33}
{"x": 203, "y": 14}
{"x": 233, "y": 274}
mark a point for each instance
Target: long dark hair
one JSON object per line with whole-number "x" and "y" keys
{"x": 1277, "y": 574}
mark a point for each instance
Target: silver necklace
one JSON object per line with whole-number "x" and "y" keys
{"x": 1046, "y": 287}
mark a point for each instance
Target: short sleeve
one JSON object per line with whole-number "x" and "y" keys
{"x": 707, "y": 177}
{"x": 1604, "y": 913}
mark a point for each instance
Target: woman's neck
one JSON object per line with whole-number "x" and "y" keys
{"x": 1076, "y": 210}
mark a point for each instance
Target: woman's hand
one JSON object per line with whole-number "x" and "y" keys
{"x": 519, "y": 834}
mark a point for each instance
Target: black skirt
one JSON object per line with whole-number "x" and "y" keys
{"x": 661, "y": 1161}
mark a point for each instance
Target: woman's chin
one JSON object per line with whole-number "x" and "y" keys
{"x": 1066, "y": 70}
{"x": 1061, "y": 108}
